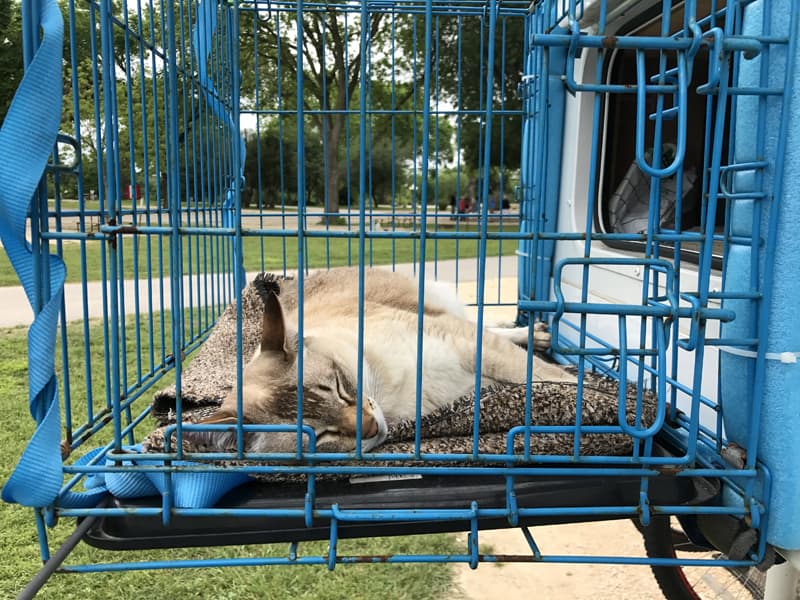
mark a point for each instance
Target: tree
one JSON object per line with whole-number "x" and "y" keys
{"x": 461, "y": 61}
{"x": 140, "y": 123}
{"x": 263, "y": 173}
{"x": 271, "y": 166}
{"x": 333, "y": 87}
{"x": 10, "y": 53}
{"x": 78, "y": 117}
{"x": 332, "y": 60}
{"x": 330, "y": 75}
{"x": 386, "y": 172}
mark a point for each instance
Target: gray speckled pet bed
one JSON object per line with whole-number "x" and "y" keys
{"x": 212, "y": 374}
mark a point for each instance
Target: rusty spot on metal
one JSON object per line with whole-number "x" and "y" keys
{"x": 669, "y": 469}
{"x": 382, "y": 558}
{"x": 122, "y": 230}
{"x": 517, "y": 558}
{"x": 610, "y": 41}
{"x": 735, "y": 455}
{"x": 112, "y": 241}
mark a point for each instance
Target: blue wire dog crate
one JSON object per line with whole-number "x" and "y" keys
{"x": 631, "y": 165}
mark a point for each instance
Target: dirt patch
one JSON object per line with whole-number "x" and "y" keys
{"x": 512, "y": 581}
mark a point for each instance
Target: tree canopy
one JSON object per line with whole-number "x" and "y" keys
{"x": 10, "y": 53}
{"x": 333, "y": 51}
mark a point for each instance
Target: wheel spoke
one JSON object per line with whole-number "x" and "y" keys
{"x": 695, "y": 582}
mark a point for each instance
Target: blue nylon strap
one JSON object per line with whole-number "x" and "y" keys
{"x": 27, "y": 138}
{"x": 202, "y": 39}
{"x": 190, "y": 489}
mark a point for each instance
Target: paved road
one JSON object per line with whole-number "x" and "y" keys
{"x": 277, "y": 219}
{"x": 16, "y": 311}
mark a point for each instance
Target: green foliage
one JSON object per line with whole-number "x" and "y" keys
{"x": 268, "y": 65}
{"x": 202, "y": 172}
{"x": 332, "y": 83}
{"x": 469, "y": 39}
{"x": 270, "y": 168}
{"x": 460, "y": 62}
{"x": 10, "y": 53}
{"x": 386, "y": 173}
{"x": 446, "y": 185}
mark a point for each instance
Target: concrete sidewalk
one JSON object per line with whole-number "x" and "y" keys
{"x": 16, "y": 310}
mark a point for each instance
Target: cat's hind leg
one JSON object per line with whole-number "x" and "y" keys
{"x": 519, "y": 335}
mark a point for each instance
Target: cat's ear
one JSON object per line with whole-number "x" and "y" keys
{"x": 273, "y": 324}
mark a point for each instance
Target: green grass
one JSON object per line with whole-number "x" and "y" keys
{"x": 21, "y": 557}
{"x": 203, "y": 254}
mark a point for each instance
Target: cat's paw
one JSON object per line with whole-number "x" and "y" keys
{"x": 519, "y": 335}
{"x": 541, "y": 336}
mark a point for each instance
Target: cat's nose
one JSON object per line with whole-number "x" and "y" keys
{"x": 370, "y": 427}
{"x": 375, "y": 429}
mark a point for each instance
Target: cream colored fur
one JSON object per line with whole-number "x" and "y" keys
{"x": 330, "y": 355}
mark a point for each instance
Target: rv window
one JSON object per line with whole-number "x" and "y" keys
{"x": 624, "y": 189}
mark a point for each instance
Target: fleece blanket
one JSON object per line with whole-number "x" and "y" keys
{"x": 212, "y": 374}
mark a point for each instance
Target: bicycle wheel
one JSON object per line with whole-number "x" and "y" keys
{"x": 664, "y": 538}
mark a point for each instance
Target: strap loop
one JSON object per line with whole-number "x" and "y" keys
{"x": 27, "y": 138}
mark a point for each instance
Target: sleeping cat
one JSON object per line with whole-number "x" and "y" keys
{"x": 330, "y": 359}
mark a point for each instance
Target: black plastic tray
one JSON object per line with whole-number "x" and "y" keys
{"x": 429, "y": 492}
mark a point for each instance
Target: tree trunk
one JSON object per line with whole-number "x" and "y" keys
{"x": 334, "y": 125}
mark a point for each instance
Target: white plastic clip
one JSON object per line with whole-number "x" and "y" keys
{"x": 787, "y": 358}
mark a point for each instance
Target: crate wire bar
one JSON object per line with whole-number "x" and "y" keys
{"x": 173, "y": 88}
